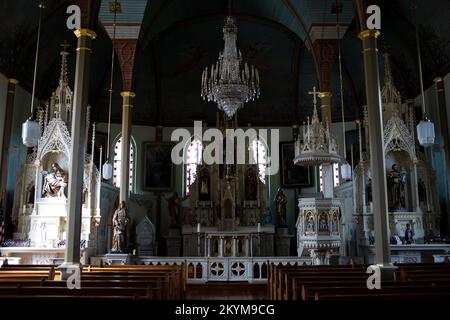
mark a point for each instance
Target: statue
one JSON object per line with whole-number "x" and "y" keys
{"x": 174, "y": 209}
{"x": 396, "y": 181}
{"x": 281, "y": 201}
{"x": 323, "y": 225}
{"x": 422, "y": 190}
{"x": 310, "y": 224}
{"x": 120, "y": 221}
{"x": 55, "y": 182}
{"x": 204, "y": 194}
{"x": 250, "y": 185}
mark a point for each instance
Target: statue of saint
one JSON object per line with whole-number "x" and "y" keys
{"x": 204, "y": 186}
{"x": 396, "y": 181}
{"x": 120, "y": 221}
{"x": 310, "y": 224}
{"x": 250, "y": 185}
{"x": 323, "y": 224}
{"x": 281, "y": 201}
{"x": 174, "y": 209}
{"x": 55, "y": 182}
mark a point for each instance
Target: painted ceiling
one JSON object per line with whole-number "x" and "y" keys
{"x": 179, "y": 38}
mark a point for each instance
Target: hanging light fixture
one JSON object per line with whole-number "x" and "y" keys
{"x": 346, "y": 169}
{"x": 107, "y": 169}
{"x": 425, "y": 128}
{"x": 230, "y": 82}
{"x": 31, "y": 131}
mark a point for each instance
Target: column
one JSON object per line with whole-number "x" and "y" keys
{"x": 377, "y": 160}
{"x": 446, "y": 145}
{"x": 234, "y": 246}
{"x": 414, "y": 188}
{"x": 127, "y": 101}
{"x": 78, "y": 134}
{"x": 221, "y": 246}
{"x": 328, "y": 182}
{"x": 6, "y": 139}
{"x": 325, "y": 106}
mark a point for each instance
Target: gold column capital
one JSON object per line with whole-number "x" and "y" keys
{"x": 325, "y": 94}
{"x": 13, "y": 81}
{"x": 438, "y": 79}
{"x": 128, "y": 94}
{"x": 369, "y": 33}
{"x": 84, "y": 32}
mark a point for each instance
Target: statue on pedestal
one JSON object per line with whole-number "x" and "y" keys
{"x": 281, "y": 201}
{"x": 54, "y": 182}
{"x": 174, "y": 209}
{"x": 120, "y": 221}
{"x": 396, "y": 181}
{"x": 204, "y": 194}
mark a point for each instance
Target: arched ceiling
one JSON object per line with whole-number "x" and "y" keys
{"x": 179, "y": 38}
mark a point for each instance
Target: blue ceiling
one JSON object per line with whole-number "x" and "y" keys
{"x": 180, "y": 37}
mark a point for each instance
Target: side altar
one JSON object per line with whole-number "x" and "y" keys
{"x": 40, "y": 199}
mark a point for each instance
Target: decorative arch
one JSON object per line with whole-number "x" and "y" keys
{"x": 56, "y": 138}
{"x": 397, "y": 137}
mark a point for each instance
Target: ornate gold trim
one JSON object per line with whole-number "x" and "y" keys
{"x": 85, "y": 33}
{"x": 369, "y": 33}
{"x": 325, "y": 94}
{"x": 438, "y": 79}
{"x": 128, "y": 94}
{"x": 370, "y": 49}
{"x": 13, "y": 81}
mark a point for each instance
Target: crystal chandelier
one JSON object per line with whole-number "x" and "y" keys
{"x": 318, "y": 146}
{"x": 230, "y": 82}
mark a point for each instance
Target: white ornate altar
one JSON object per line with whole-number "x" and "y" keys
{"x": 40, "y": 200}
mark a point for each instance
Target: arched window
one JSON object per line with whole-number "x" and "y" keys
{"x": 193, "y": 159}
{"x": 260, "y": 158}
{"x": 118, "y": 161}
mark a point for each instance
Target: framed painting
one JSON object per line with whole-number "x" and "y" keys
{"x": 158, "y": 166}
{"x": 292, "y": 176}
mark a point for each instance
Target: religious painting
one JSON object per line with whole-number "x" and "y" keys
{"x": 292, "y": 176}
{"x": 352, "y": 145}
{"x": 158, "y": 166}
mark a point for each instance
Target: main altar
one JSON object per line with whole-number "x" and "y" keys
{"x": 227, "y": 204}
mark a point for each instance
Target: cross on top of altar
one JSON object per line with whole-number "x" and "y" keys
{"x": 315, "y": 94}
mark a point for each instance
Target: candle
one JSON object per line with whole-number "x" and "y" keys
{"x": 259, "y": 227}
{"x": 198, "y": 227}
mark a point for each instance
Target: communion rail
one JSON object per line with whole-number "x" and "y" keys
{"x": 203, "y": 269}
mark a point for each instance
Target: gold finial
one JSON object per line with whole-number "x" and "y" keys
{"x": 115, "y": 7}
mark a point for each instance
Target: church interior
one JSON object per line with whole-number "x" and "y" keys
{"x": 225, "y": 149}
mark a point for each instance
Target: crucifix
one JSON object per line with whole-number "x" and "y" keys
{"x": 64, "y": 46}
{"x": 315, "y": 94}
